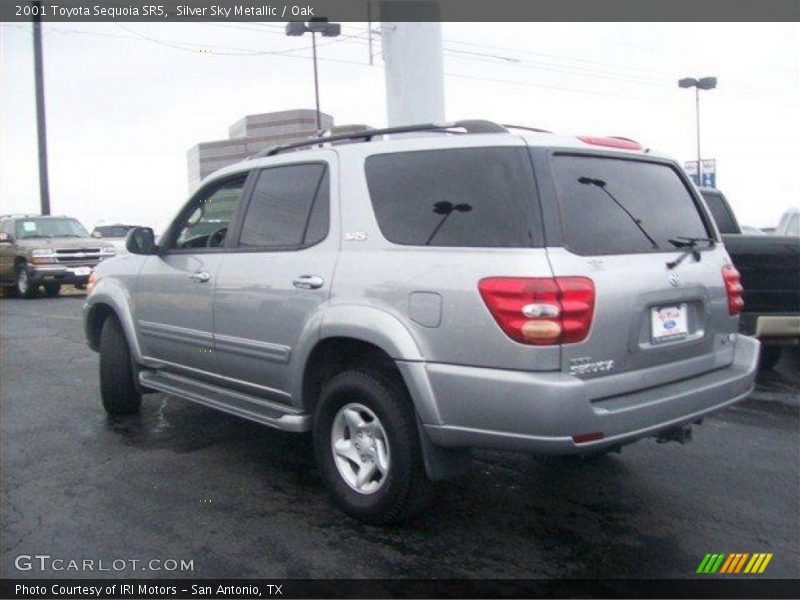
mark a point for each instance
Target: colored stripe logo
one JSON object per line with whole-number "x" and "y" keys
{"x": 737, "y": 562}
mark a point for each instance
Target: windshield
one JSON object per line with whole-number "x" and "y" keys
{"x": 617, "y": 206}
{"x": 49, "y": 228}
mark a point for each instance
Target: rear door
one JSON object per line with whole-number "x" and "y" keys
{"x": 271, "y": 284}
{"x": 611, "y": 219}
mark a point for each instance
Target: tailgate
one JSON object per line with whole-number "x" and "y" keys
{"x": 625, "y": 223}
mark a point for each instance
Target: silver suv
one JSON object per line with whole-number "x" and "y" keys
{"x": 409, "y": 297}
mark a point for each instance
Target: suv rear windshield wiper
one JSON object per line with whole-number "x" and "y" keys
{"x": 689, "y": 246}
{"x": 638, "y": 222}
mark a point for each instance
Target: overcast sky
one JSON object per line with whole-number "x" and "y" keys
{"x": 125, "y": 102}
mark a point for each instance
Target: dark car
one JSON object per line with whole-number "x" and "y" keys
{"x": 770, "y": 270}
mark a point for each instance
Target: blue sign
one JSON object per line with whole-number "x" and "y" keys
{"x": 709, "y": 176}
{"x": 710, "y": 180}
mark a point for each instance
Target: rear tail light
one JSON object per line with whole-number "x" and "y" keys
{"x": 542, "y": 311}
{"x": 734, "y": 289}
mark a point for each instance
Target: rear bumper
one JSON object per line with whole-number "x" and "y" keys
{"x": 781, "y": 329}
{"x": 541, "y": 412}
{"x": 771, "y": 326}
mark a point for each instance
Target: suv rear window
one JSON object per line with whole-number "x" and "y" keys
{"x": 618, "y": 206}
{"x": 467, "y": 197}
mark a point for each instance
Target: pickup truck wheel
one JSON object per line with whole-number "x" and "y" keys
{"x": 25, "y": 288}
{"x": 117, "y": 387}
{"x": 368, "y": 449}
{"x": 770, "y": 355}
{"x": 52, "y": 290}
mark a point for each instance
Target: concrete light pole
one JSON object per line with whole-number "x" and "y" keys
{"x": 412, "y": 54}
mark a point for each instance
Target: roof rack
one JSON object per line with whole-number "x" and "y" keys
{"x": 468, "y": 126}
{"x": 523, "y": 127}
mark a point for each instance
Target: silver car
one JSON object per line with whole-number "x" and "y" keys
{"x": 408, "y": 298}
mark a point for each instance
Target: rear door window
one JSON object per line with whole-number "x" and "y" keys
{"x": 289, "y": 208}
{"x": 466, "y": 197}
{"x": 618, "y": 206}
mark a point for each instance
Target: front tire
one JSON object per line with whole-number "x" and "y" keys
{"x": 24, "y": 287}
{"x": 117, "y": 386}
{"x": 368, "y": 448}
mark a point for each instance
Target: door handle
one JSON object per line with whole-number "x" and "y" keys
{"x": 308, "y": 282}
{"x": 199, "y": 277}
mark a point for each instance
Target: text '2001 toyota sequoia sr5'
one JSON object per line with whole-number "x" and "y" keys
{"x": 409, "y": 298}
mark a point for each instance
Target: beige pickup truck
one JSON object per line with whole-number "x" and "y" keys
{"x": 47, "y": 252}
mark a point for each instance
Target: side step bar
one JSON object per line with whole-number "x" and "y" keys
{"x": 240, "y": 404}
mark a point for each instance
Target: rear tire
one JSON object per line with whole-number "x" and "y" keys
{"x": 117, "y": 386}
{"x": 398, "y": 488}
{"x": 770, "y": 355}
{"x": 52, "y": 290}
{"x": 23, "y": 285}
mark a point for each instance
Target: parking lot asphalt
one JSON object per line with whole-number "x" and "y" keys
{"x": 180, "y": 481}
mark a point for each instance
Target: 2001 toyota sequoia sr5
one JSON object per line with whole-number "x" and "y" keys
{"x": 407, "y": 298}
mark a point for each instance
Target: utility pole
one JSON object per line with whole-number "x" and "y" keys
{"x": 314, "y": 26}
{"x": 697, "y": 117}
{"x": 41, "y": 127}
{"x": 316, "y": 78}
{"x": 703, "y": 83}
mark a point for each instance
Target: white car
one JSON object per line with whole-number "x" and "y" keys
{"x": 114, "y": 234}
{"x": 790, "y": 223}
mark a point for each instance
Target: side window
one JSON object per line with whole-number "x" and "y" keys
{"x": 8, "y": 227}
{"x": 204, "y": 223}
{"x": 289, "y": 208}
{"x": 467, "y": 197}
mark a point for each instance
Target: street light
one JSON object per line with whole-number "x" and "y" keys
{"x": 703, "y": 83}
{"x": 315, "y": 26}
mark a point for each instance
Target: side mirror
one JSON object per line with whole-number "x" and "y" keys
{"x": 141, "y": 240}
{"x": 6, "y": 238}
{"x": 97, "y": 234}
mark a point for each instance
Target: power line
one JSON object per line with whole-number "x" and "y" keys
{"x": 360, "y": 39}
{"x": 552, "y": 87}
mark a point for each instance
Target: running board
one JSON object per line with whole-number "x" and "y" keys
{"x": 236, "y": 403}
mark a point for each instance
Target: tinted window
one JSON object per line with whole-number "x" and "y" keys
{"x": 615, "y": 206}
{"x": 722, "y": 215}
{"x": 205, "y": 222}
{"x": 289, "y": 208}
{"x": 473, "y": 197}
